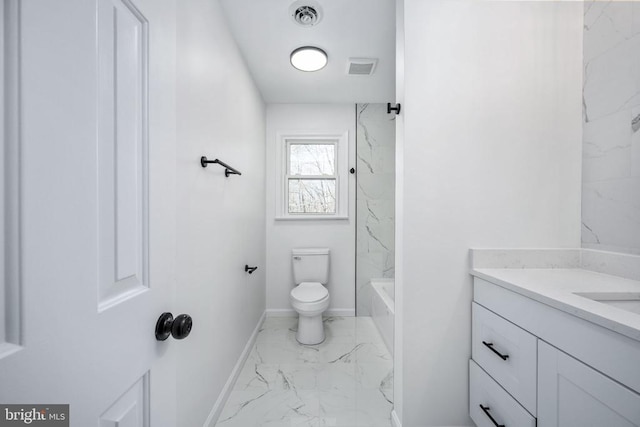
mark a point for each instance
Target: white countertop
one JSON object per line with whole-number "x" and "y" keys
{"x": 556, "y": 287}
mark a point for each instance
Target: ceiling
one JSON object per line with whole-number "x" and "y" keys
{"x": 266, "y": 34}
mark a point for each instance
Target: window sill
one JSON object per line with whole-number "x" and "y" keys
{"x": 312, "y": 218}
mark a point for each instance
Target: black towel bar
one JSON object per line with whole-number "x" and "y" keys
{"x": 228, "y": 170}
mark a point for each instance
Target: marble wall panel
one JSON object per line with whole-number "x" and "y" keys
{"x": 611, "y": 147}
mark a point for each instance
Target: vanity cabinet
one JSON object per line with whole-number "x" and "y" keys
{"x": 536, "y": 365}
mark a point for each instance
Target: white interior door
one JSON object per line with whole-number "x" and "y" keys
{"x": 89, "y": 208}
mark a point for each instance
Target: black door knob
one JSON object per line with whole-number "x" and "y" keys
{"x": 163, "y": 326}
{"x": 179, "y": 328}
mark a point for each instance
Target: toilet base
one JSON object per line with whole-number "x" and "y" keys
{"x": 310, "y": 330}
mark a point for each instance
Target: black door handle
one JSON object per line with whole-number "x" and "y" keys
{"x": 485, "y": 409}
{"x": 179, "y": 328}
{"x": 489, "y": 345}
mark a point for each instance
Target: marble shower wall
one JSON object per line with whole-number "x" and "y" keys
{"x": 611, "y": 146}
{"x": 375, "y": 199}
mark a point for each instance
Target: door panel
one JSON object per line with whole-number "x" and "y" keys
{"x": 131, "y": 409}
{"x": 10, "y": 323}
{"x": 122, "y": 150}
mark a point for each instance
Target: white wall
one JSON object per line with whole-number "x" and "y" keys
{"x": 611, "y": 156}
{"x": 490, "y": 158}
{"x": 283, "y": 235}
{"x": 220, "y": 221}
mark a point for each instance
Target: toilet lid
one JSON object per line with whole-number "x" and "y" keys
{"x": 309, "y": 292}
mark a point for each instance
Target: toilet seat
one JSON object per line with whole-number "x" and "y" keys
{"x": 307, "y": 292}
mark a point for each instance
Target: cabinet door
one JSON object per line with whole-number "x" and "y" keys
{"x": 571, "y": 394}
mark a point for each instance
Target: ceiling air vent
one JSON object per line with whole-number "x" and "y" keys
{"x": 361, "y": 66}
{"x": 305, "y": 13}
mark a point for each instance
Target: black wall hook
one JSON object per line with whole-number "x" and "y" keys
{"x": 395, "y": 108}
{"x": 228, "y": 170}
{"x": 250, "y": 270}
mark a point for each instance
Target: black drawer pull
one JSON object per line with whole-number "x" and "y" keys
{"x": 485, "y": 409}
{"x": 490, "y": 346}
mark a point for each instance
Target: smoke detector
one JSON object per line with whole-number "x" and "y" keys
{"x": 361, "y": 66}
{"x": 305, "y": 13}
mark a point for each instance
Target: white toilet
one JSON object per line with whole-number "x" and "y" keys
{"x": 310, "y": 298}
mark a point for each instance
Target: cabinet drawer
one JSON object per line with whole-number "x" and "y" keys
{"x": 499, "y": 407}
{"x": 507, "y": 353}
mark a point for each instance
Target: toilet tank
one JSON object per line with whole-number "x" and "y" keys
{"x": 310, "y": 265}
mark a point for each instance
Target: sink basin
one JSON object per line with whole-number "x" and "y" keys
{"x": 629, "y": 301}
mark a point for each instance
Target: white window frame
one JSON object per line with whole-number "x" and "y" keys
{"x": 341, "y": 142}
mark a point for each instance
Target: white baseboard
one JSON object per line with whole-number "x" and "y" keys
{"x": 395, "y": 421}
{"x": 289, "y": 312}
{"x": 281, "y": 312}
{"x": 341, "y": 312}
{"x": 226, "y": 390}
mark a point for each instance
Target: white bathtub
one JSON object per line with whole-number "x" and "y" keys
{"x": 383, "y": 309}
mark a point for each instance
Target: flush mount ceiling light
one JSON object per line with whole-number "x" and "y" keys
{"x": 308, "y": 58}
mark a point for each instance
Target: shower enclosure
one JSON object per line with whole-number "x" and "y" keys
{"x": 375, "y": 204}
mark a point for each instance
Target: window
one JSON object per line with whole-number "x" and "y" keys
{"x": 311, "y": 179}
{"x": 312, "y": 186}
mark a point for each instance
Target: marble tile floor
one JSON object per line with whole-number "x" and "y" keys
{"x": 346, "y": 381}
